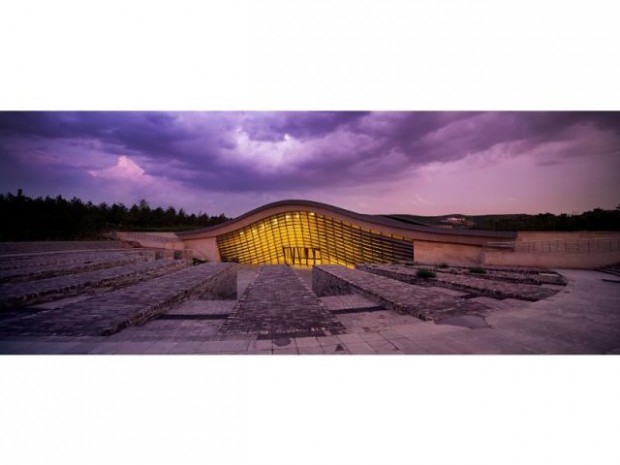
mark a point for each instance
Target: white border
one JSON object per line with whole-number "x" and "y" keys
{"x": 277, "y": 55}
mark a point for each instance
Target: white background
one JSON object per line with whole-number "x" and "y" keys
{"x": 319, "y": 55}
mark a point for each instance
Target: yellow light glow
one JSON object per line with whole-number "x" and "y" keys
{"x": 306, "y": 238}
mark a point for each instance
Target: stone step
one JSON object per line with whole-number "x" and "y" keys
{"x": 277, "y": 304}
{"x": 108, "y": 313}
{"x": 45, "y": 290}
{"x": 423, "y": 303}
{"x": 70, "y": 265}
{"x": 466, "y": 283}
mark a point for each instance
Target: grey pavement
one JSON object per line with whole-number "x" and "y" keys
{"x": 581, "y": 318}
{"x": 277, "y": 303}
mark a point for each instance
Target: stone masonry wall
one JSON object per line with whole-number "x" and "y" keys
{"x": 325, "y": 284}
{"x": 222, "y": 286}
{"x": 111, "y": 312}
{"x": 423, "y": 303}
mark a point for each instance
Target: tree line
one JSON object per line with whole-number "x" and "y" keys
{"x": 55, "y": 218}
{"x": 593, "y": 220}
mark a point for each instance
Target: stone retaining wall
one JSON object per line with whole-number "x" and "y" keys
{"x": 325, "y": 283}
{"x": 60, "y": 259}
{"x": 465, "y": 283}
{"x": 530, "y": 276}
{"x": 111, "y": 312}
{"x": 420, "y": 302}
{"x": 45, "y": 290}
{"x": 576, "y": 260}
{"x": 30, "y": 271}
{"x": 222, "y": 286}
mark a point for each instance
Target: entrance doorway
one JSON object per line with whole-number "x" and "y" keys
{"x": 302, "y": 256}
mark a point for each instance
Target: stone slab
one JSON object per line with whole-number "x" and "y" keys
{"x": 278, "y": 304}
{"x": 30, "y": 270}
{"x": 111, "y": 312}
{"x": 32, "y": 292}
{"x": 401, "y": 297}
{"x": 465, "y": 282}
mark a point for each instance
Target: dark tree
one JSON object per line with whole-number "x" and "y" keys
{"x": 27, "y": 219}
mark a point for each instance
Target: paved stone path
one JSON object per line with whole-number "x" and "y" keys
{"x": 44, "y": 290}
{"x": 582, "y": 318}
{"x": 278, "y": 304}
{"x": 467, "y": 283}
{"x": 113, "y": 311}
{"x": 32, "y": 270}
{"x": 423, "y": 303}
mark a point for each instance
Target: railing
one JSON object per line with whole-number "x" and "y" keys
{"x": 561, "y": 246}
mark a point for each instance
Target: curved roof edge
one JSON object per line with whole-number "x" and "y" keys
{"x": 374, "y": 219}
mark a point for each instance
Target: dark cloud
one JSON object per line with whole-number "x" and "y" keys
{"x": 203, "y": 150}
{"x": 49, "y": 178}
{"x": 140, "y": 131}
{"x": 298, "y": 124}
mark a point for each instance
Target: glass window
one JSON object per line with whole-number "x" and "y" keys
{"x": 307, "y": 238}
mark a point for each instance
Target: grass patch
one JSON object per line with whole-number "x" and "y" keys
{"x": 425, "y": 273}
{"x": 477, "y": 270}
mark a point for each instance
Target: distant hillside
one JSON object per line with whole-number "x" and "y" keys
{"x": 593, "y": 220}
{"x": 443, "y": 220}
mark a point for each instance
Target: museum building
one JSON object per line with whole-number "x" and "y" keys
{"x": 306, "y": 233}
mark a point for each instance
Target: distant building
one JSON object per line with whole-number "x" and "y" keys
{"x": 457, "y": 222}
{"x": 306, "y": 233}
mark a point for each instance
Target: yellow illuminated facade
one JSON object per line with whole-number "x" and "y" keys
{"x": 303, "y": 238}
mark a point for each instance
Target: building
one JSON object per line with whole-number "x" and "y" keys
{"x": 306, "y": 233}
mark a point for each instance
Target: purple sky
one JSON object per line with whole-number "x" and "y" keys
{"x": 426, "y": 163}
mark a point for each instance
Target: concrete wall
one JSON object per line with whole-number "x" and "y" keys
{"x": 155, "y": 240}
{"x": 454, "y": 254}
{"x": 530, "y": 236}
{"x": 585, "y": 260}
{"x": 204, "y": 249}
{"x": 541, "y": 256}
{"x": 432, "y": 248}
{"x": 459, "y": 254}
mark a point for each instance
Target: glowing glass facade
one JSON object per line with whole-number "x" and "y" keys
{"x": 304, "y": 238}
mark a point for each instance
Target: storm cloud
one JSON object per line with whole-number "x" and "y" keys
{"x": 236, "y": 159}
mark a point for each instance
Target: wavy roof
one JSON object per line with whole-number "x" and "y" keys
{"x": 373, "y": 219}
